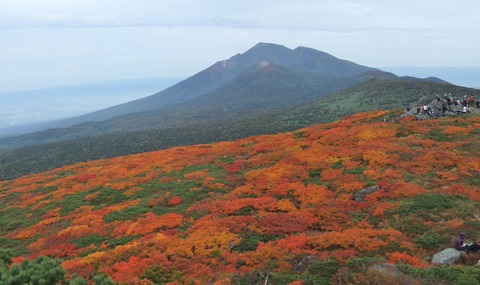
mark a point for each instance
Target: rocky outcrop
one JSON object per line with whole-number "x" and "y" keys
{"x": 436, "y": 108}
{"x": 360, "y": 195}
{"x": 447, "y": 257}
{"x": 387, "y": 268}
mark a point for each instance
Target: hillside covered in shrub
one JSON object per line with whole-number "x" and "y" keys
{"x": 270, "y": 209}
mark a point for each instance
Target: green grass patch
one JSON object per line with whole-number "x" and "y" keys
{"x": 86, "y": 241}
{"x": 44, "y": 189}
{"x": 438, "y": 136}
{"x": 107, "y": 197}
{"x": 72, "y": 202}
{"x": 97, "y": 240}
{"x": 433, "y": 203}
{"x": 13, "y": 219}
{"x": 127, "y": 214}
{"x": 8, "y": 243}
{"x": 455, "y": 275}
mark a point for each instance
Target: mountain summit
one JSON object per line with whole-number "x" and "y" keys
{"x": 301, "y": 60}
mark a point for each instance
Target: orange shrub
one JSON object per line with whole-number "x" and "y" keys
{"x": 174, "y": 201}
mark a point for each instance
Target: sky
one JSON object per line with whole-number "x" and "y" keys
{"x": 46, "y": 43}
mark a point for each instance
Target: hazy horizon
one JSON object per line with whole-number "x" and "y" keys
{"x": 21, "y": 108}
{"x": 49, "y": 43}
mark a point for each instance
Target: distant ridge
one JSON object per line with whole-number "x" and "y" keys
{"x": 463, "y": 76}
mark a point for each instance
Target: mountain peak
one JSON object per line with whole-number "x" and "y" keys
{"x": 261, "y": 45}
{"x": 267, "y": 51}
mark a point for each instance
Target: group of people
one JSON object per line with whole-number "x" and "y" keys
{"x": 467, "y": 101}
{"x": 462, "y": 245}
{"x": 451, "y": 103}
{"x": 427, "y": 110}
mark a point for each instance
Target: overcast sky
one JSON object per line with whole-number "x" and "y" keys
{"x": 47, "y": 43}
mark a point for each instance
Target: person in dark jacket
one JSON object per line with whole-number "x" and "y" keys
{"x": 459, "y": 243}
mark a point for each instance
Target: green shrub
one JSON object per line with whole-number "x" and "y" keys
{"x": 431, "y": 241}
{"x": 324, "y": 268}
{"x": 101, "y": 279}
{"x": 41, "y": 271}
{"x": 159, "y": 275}
{"x": 250, "y": 241}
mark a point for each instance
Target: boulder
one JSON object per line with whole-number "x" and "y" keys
{"x": 360, "y": 195}
{"x": 387, "y": 268}
{"x": 446, "y": 257}
{"x": 437, "y": 107}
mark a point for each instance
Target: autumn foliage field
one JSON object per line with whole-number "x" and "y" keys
{"x": 273, "y": 209}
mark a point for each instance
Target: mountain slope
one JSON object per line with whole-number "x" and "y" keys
{"x": 278, "y": 208}
{"x": 261, "y": 70}
{"x": 264, "y": 88}
{"x": 371, "y": 95}
{"x": 374, "y": 94}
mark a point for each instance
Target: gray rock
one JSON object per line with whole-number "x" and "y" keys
{"x": 360, "y": 195}
{"x": 387, "y": 268}
{"x": 437, "y": 107}
{"x": 446, "y": 257}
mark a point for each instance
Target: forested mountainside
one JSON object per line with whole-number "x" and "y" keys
{"x": 374, "y": 94}
{"x": 268, "y": 209}
{"x": 265, "y": 78}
